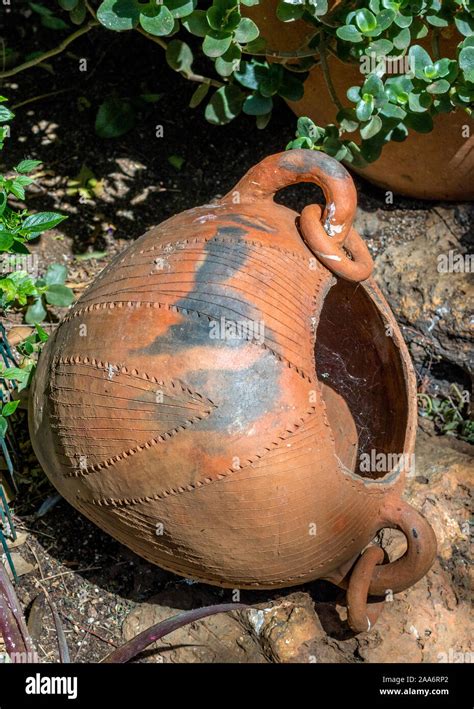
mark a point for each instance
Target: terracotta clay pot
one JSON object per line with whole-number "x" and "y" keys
{"x": 436, "y": 165}
{"x": 209, "y": 400}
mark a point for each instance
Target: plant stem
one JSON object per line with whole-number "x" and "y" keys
{"x": 51, "y": 53}
{"x": 187, "y": 75}
{"x": 327, "y": 75}
{"x": 38, "y": 98}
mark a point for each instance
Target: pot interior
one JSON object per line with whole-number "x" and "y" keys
{"x": 362, "y": 382}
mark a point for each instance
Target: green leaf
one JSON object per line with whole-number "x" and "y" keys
{"x": 199, "y": 95}
{"x": 403, "y": 20}
{"x": 251, "y": 74}
{"x": 421, "y": 122}
{"x": 157, "y": 20}
{"x": 257, "y": 105}
{"x": 176, "y": 161}
{"x": 216, "y": 44}
{"x": 306, "y": 128}
{"x": 42, "y": 334}
{"x": 115, "y": 117}
{"x": 53, "y": 23}
{"x": 419, "y": 102}
{"x": 247, "y": 31}
{"x": 465, "y": 24}
{"x": 466, "y": 63}
{"x": 373, "y": 85}
{"x": 16, "y": 189}
{"x": 179, "y": 56}
{"x": 389, "y": 110}
{"x": 365, "y": 20}
{"x": 59, "y": 295}
{"x": 35, "y": 312}
{"x": 230, "y": 61}
{"x": 5, "y": 114}
{"x": 119, "y": 15}
{"x": 347, "y": 120}
{"x": 349, "y": 33}
{"x": 6, "y": 240}
{"x": 225, "y": 105}
{"x": 41, "y": 221}
{"x": 419, "y": 60}
{"x": 364, "y": 108}
{"x": 385, "y": 19}
{"x": 371, "y": 128}
{"x": 438, "y": 87}
{"x": 3, "y": 427}
{"x": 196, "y": 23}
{"x": 56, "y": 273}
{"x": 68, "y": 5}
{"x": 291, "y": 87}
{"x": 288, "y": 12}
{"x": 26, "y": 166}
{"x": 402, "y": 39}
{"x": 10, "y": 407}
{"x": 223, "y": 16}
{"x": 353, "y": 94}
{"x": 181, "y": 8}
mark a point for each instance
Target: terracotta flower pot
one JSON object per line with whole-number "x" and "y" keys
{"x": 436, "y": 165}
{"x": 211, "y": 399}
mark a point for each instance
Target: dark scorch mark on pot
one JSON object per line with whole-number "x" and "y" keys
{"x": 302, "y": 161}
{"x": 256, "y": 224}
{"x": 242, "y": 395}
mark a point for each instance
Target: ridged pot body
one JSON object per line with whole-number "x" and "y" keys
{"x": 178, "y": 406}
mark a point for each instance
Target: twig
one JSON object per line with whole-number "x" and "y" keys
{"x": 91, "y": 632}
{"x": 73, "y": 571}
{"x": 38, "y": 98}
{"x": 187, "y": 75}
{"x": 51, "y": 53}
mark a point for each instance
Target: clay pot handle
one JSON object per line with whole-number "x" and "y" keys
{"x": 293, "y": 166}
{"x": 324, "y": 234}
{"x": 370, "y": 576}
{"x": 418, "y": 558}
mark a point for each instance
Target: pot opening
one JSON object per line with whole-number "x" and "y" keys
{"x": 362, "y": 382}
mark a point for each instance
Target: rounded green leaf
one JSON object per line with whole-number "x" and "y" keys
{"x": 365, "y": 20}
{"x": 288, "y": 12}
{"x": 35, "y": 313}
{"x": 419, "y": 59}
{"x": 199, "y": 95}
{"x": 181, "y": 8}
{"x": 466, "y": 63}
{"x": 225, "y": 105}
{"x": 402, "y": 39}
{"x": 421, "y": 122}
{"x": 247, "y": 31}
{"x": 216, "y": 44}
{"x": 349, "y": 33}
{"x": 119, "y": 15}
{"x": 465, "y": 23}
{"x": 419, "y": 102}
{"x": 438, "y": 87}
{"x": 115, "y": 117}
{"x": 364, "y": 108}
{"x": 403, "y": 20}
{"x": 56, "y": 273}
{"x": 157, "y": 21}
{"x": 196, "y": 23}
{"x": 257, "y": 105}
{"x": 371, "y": 128}
{"x": 179, "y": 56}
{"x": 230, "y": 61}
{"x": 59, "y": 295}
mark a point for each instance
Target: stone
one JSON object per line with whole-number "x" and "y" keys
{"x": 432, "y": 302}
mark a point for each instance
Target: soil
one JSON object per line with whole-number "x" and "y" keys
{"x": 94, "y": 581}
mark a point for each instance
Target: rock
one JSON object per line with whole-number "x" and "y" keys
{"x": 219, "y": 638}
{"x": 429, "y": 298}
